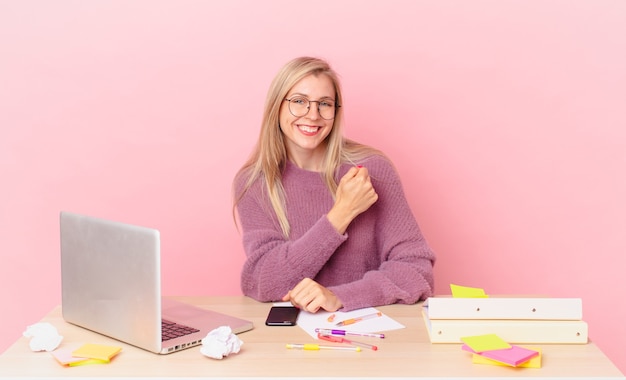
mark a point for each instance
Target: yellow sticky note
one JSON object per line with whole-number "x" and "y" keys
{"x": 89, "y": 361}
{"x": 97, "y": 351}
{"x": 64, "y": 356}
{"x": 535, "y": 362}
{"x": 467, "y": 292}
{"x": 480, "y": 343}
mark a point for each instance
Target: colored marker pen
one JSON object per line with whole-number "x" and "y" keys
{"x": 317, "y": 347}
{"x": 344, "y": 333}
{"x": 339, "y": 339}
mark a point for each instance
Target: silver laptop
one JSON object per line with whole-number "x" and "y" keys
{"x": 111, "y": 284}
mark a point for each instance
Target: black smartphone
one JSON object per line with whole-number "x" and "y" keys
{"x": 282, "y": 316}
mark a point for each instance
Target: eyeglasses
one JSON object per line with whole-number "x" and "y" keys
{"x": 300, "y": 106}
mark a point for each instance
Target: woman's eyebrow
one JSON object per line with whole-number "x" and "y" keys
{"x": 306, "y": 96}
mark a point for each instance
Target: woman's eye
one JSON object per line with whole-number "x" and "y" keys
{"x": 328, "y": 104}
{"x": 299, "y": 101}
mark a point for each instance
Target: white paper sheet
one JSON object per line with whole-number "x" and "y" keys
{"x": 310, "y": 321}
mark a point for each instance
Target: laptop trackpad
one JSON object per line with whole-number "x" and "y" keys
{"x": 178, "y": 311}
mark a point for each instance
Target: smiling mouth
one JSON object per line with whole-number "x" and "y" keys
{"x": 308, "y": 128}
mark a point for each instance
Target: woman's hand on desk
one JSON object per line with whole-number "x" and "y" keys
{"x": 310, "y": 296}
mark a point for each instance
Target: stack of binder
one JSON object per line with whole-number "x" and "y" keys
{"x": 514, "y": 319}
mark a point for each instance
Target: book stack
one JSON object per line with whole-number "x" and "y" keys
{"x": 514, "y": 319}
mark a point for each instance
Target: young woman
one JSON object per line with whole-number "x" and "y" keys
{"x": 324, "y": 220}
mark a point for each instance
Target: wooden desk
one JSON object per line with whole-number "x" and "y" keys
{"x": 405, "y": 353}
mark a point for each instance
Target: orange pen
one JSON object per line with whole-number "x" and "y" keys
{"x": 358, "y": 319}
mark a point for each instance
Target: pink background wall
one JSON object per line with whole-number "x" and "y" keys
{"x": 505, "y": 119}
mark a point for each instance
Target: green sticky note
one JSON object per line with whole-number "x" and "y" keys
{"x": 487, "y": 342}
{"x": 467, "y": 292}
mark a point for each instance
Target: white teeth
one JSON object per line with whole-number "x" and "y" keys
{"x": 305, "y": 128}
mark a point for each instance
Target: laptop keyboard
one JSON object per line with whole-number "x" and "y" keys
{"x": 171, "y": 330}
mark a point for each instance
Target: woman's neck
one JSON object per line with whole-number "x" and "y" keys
{"x": 310, "y": 160}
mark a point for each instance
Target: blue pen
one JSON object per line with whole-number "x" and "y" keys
{"x": 344, "y": 333}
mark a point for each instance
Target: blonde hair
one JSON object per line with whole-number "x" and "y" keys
{"x": 269, "y": 157}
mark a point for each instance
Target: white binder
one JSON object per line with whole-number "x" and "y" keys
{"x": 504, "y": 308}
{"x": 512, "y": 331}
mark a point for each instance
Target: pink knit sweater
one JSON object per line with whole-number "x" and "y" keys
{"x": 381, "y": 259}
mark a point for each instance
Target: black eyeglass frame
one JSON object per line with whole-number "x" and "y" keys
{"x": 337, "y": 105}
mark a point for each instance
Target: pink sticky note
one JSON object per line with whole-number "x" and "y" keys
{"x": 64, "y": 356}
{"x": 513, "y": 356}
{"x": 535, "y": 362}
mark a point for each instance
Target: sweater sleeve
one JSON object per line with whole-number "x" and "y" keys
{"x": 405, "y": 274}
{"x": 275, "y": 265}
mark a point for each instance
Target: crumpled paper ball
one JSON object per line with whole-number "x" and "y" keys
{"x": 44, "y": 337}
{"x": 220, "y": 342}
